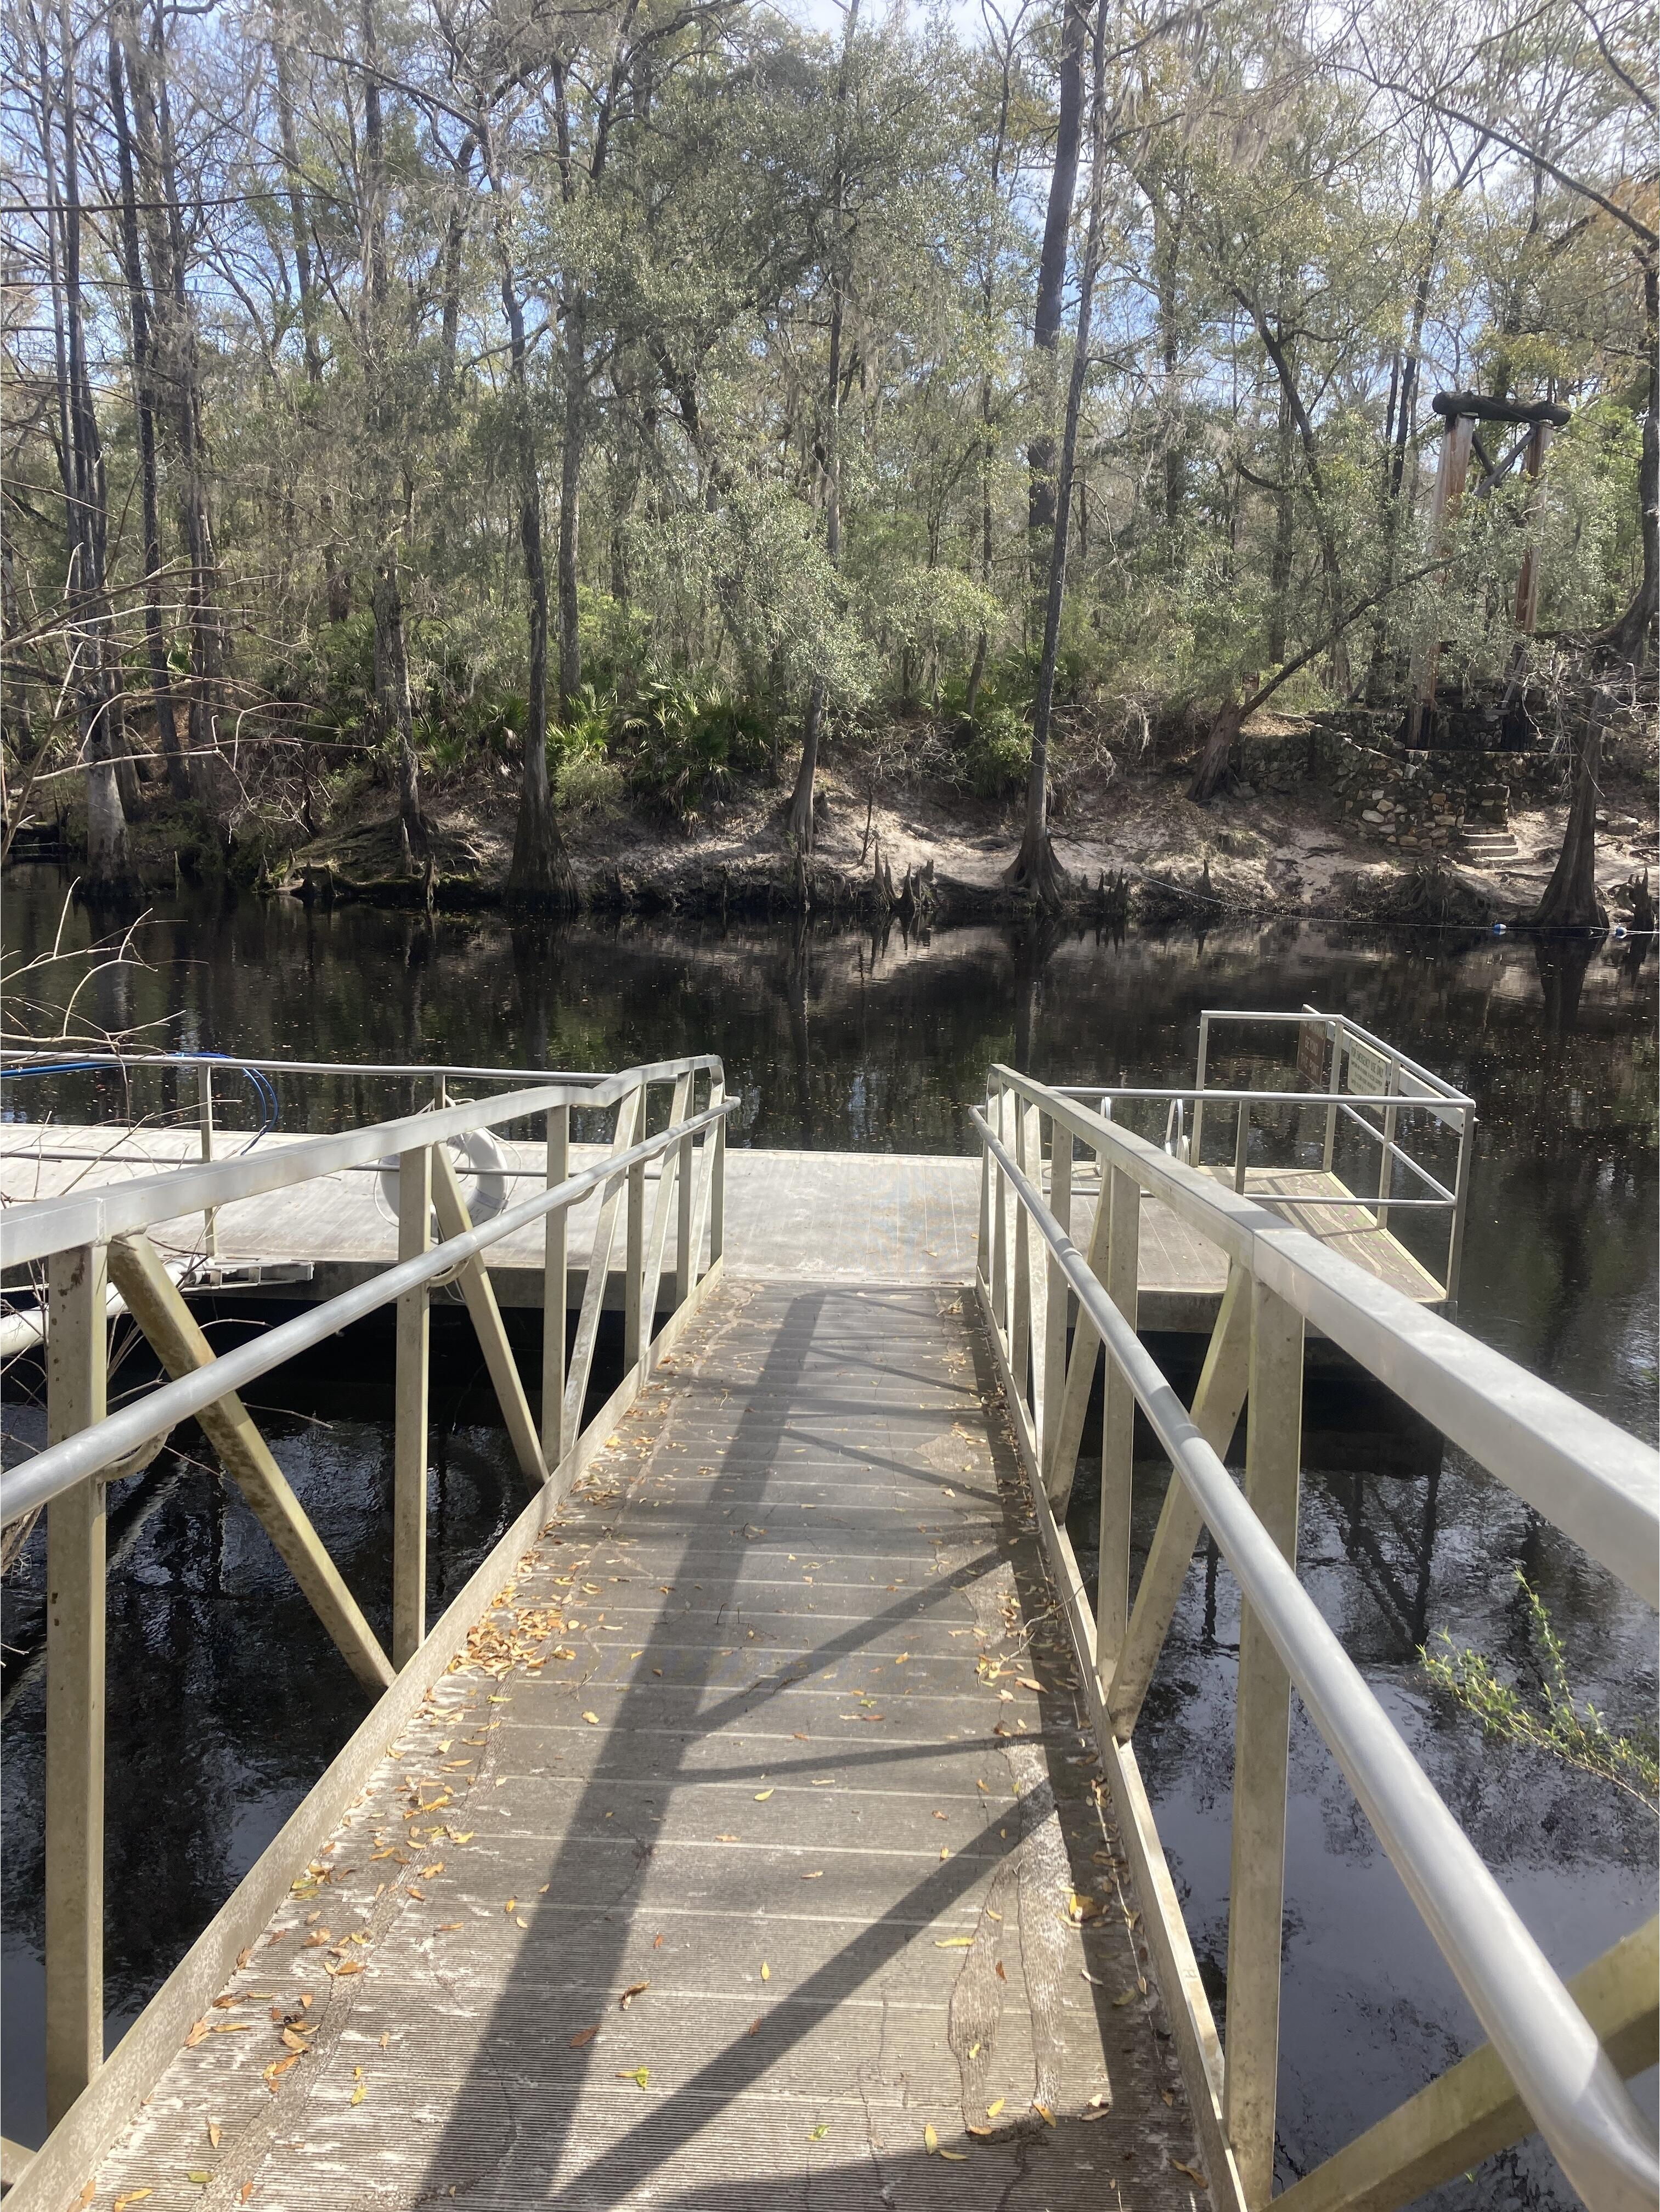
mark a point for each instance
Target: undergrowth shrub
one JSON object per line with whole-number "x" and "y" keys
{"x": 683, "y": 737}
{"x": 998, "y": 752}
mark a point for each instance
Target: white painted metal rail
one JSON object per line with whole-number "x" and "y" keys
{"x": 1051, "y": 1309}
{"x": 91, "y": 1241}
{"x": 1362, "y": 1075}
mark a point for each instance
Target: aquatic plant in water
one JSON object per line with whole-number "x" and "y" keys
{"x": 1549, "y": 1718}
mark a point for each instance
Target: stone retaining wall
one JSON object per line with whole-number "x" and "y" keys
{"x": 1418, "y": 799}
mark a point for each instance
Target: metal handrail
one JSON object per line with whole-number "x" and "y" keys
{"x": 1441, "y": 1088}
{"x": 1344, "y": 1102}
{"x": 1441, "y": 1107}
{"x": 217, "y": 1063}
{"x": 1566, "y": 2079}
{"x": 45, "y": 1225}
{"x": 1598, "y": 1484}
{"x": 61, "y": 1466}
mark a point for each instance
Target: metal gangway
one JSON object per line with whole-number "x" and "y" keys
{"x": 835, "y": 1466}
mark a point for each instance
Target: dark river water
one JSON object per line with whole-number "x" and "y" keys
{"x": 843, "y": 1042}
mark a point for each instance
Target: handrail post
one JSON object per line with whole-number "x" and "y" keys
{"x": 634, "y": 1263}
{"x": 1056, "y": 1294}
{"x": 555, "y": 1256}
{"x": 1194, "y": 1159}
{"x": 1334, "y": 1086}
{"x": 204, "y": 1120}
{"x": 409, "y": 1482}
{"x": 1025, "y": 1128}
{"x": 1241, "y": 1143}
{"x": 1386, "y": 1150}
{"x": 1121, "y": 1194}
{"x": 999, "y": 1234}
{"x": 1460, "y": 1204}
{"x": 1273, "y": 1448}
{"x": 685, "y": 1260}
{"x": 982, "y": 1255}
{"x": 718, "y": 1192}
{"x": 76, "y": 1372}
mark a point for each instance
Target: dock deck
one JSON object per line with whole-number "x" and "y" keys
{"x": 804, "y": 1898}
{"x": 848, "y": 1217}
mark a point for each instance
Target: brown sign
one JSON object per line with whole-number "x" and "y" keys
{"x": 1313, "y": 1056}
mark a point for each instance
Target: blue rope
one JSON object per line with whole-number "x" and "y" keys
{"x": 264, "y": 1090}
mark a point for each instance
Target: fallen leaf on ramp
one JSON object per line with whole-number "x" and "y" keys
{"x": 641, "y": 2074}
{"x": 583, "y": 2035}
{"x": 930, "y": 2138}
{"x": 952, "y": 1943}
{"x": 635, "y": 1989}
{"x": 817, "y": 2134}
{"x": 1192, "y": 2171}
{"x": 213, "y": 2133}
{"x": 761, "y": 1795}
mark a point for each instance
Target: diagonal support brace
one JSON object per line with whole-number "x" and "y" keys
{"x": 156, "y": 1303}
{"x": 454, "y": 1220}
{"x": 1216, "y": 1408}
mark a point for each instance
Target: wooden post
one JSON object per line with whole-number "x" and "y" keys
{"x": 650, "y": 1263}
{"x": 1066, "y": 1420}
{"x": 204, "y": 1119}
{"x": 555, "y": 1262}
{"x": 1262, "y": 1734}
{"x": 1386, "y": 1150}
{"x": 999, "y": 1234}
{"x": 685, "y": 1260}
{"x": 76, "y": 1385}
{"x": 1122, "y": 1193}
{"x": 1197, "y": 1137}
{"x": 1053, "y": 1373}
{"x": 630, "y": 1123}
{"x": 1526, "y": 614}
{"x": 718, "y": 1193}
{"x": 1460, "y": 1207}
{"x": 1450, "y": 476}
{"x": 409, "y": 1481}
{"x": 982, "y": 1250}
{"x": 156, "y": 1303}
{"x": 635, "y": 1328}
{"x": 1020, "y": 1324}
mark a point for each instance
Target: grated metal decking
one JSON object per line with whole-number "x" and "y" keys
{"x": 752, "y": 1732}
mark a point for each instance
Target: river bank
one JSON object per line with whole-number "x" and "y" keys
{"x": 1325, "y": 819}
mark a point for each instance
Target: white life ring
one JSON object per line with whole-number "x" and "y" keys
{"x": 482, "y": 1168}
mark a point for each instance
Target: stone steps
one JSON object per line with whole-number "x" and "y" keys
{"x": 1487, "y": 846}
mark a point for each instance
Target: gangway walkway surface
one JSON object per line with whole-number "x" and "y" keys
{"x": 754, "y": 1854}
{"x": 762, "y": 1824}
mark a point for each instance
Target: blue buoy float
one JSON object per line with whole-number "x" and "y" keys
{"x": 1499, "y": 929}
